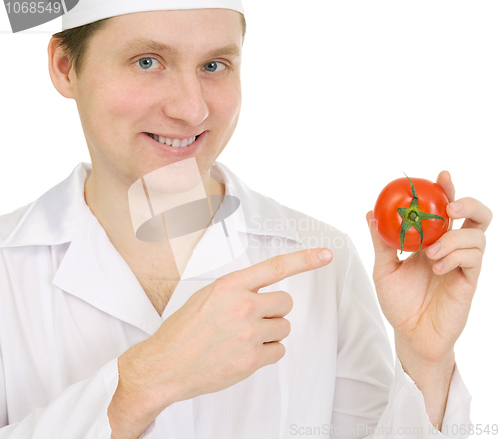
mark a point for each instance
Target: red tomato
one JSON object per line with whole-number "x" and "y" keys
{"x": 430, "y": 199}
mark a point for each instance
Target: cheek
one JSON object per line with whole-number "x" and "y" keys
{"x": 225, "y": 103}
{"x": 126, "y": 100}
{"x": 112, "y": 106}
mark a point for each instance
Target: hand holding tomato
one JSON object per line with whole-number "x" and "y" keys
{"x": 427, "y": 297}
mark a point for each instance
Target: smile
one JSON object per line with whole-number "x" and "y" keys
{"x": 174, "y": 143}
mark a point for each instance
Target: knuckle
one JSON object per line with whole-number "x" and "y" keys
{"x": 287, "y": 298}
{"x": 277, "y": 353}
{"x": 277, "y": 265}
{"x": 453, "y": 239}
{"x": 245, "y": 308}
{"x": 309, "y": 259}
{"x": 452, "y": 260}
{"x": 281, "y": 351}
{"x": 288, "y": 326}
{"x": 482, "y": 238}
{"x": 489, "y": 215}
{"x": 451, "y": 234}
{"x": 469, "y": 259}
{"x": 477, "y": 238}
{"x": 224, "y": 284}
{"x": 246, "y": 362}
{"x": 470, "y": 203}
{"x": 221, "y": 283}
{"x": 478, "y": 254}
{"x": 248, "y": 335}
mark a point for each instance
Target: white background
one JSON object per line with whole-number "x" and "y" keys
{"x": 339, "y": 99}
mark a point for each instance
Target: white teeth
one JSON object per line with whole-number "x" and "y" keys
{"x": 175, "y": 143}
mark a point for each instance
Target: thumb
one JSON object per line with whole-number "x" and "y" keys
{"x": 386, "y": 257}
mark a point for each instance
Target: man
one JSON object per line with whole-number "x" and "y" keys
{"x": 108, "y": 337}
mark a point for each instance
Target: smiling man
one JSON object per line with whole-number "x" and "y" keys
{"x": 148, "y": 96}
{"x": 104, "y": 335}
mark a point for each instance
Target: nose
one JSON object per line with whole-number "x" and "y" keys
{"x": 186, "y": 102}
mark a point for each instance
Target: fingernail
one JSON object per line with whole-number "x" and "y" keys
{"x": 438, "y": 266}
{"x": 457, "y": 207}
{"x": 434, "y": 248}
{"x": 325, "y": 255}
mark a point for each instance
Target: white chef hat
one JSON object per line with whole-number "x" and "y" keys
{"x": 88, "y": 11}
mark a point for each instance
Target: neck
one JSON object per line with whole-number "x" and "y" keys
{"x": 107, "y": 198}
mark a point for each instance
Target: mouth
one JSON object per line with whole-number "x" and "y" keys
{"x": 174, "y": 142}
{"x": 176, "y": 146}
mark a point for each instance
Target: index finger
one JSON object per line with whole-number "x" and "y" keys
{"x": 476, "y": 214}
{"x": 279, "y": 267}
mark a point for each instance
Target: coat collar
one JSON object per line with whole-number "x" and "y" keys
{"x": 94, "y": 271}
{"x": 52, "y": 218}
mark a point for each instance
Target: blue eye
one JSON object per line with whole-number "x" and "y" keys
{"x": 212, "y": 66}
{"x": 146, "y": 63}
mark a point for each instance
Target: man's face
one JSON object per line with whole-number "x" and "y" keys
{"x": 190, "y": 88}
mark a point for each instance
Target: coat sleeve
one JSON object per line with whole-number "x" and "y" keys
{"x": 374, "y": 397}
{"x": 78, "y": 412}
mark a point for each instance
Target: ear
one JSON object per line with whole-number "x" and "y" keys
{"x": 60, "y": 70}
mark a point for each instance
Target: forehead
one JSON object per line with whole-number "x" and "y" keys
{"x": 176, "y": 31}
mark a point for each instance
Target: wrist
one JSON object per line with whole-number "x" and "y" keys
{"x": 129, "y": 412}
{"x": 125, "y": 420}
{"x": 432, "y": 378}
{"x": 427, "y": 375}
{"x": 431, "y": 356}
{"x": 420, "y": 367}
{"x": 138, "y": 398}
{"x": 139, "y": 382}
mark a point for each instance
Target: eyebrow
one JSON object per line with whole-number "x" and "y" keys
{"x": 140, "y": 44}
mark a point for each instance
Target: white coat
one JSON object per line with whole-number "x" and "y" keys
{"x": 70, "y": 306}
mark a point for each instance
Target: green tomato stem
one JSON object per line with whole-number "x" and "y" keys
{"x": 412, "y": 217}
